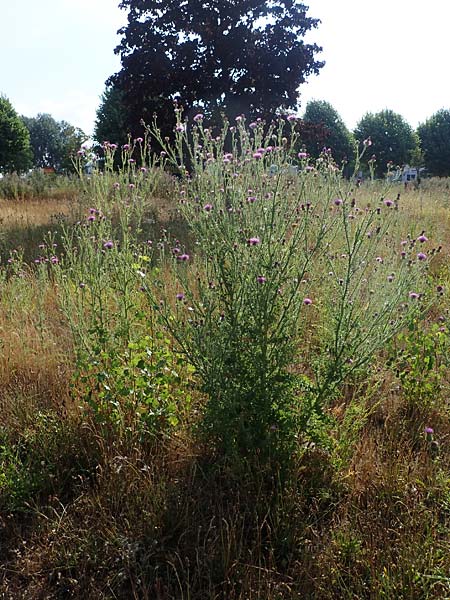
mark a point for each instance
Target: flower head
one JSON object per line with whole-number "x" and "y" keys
{"x": 422, "y": 256}
{"x": 108, "y": 245}
{"x": 261, "y": 279}
{"x": 307, "y": 301}
{"x": 422, "y": 238}
{"x": 253, "y": 241}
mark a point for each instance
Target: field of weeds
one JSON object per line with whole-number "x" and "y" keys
{"x": 228, "y": 383}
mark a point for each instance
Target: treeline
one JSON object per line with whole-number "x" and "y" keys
{"x": 36, "y": 142}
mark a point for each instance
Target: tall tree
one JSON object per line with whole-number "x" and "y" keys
{"x": 393, "y": 139}
{"x": 434, "y": 137}
{"x": 337, "y": 136}
{"x": 229, "y": 56}
{"x": 111, "y": 122}
{"x": 15, "y": 150}
{"x": 53, "y": 143}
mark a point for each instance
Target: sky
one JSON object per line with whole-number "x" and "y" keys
{"x": 55, "y": 56}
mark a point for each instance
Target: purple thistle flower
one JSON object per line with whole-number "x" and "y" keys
{"x": 183, "y": 257}
{"x": 54, "y": 260}
{"x": 261, "y": 279}
{"x": 126, "y": 147}
{"x": 307, "y": 301}
{"x": 257, "y": 155}
{"x": 108, "y": 245}
{"x": 139, "y": 140}
{"x": 251, "y": 199}
{"x": 180, "y": 296}
{"x": 208, "y": 207}
{"x": 388, "y": 203}
{"x": 414, "y": 295}
{"x": 302, "y": 155}
{"x": 422, "y": 256}
{"x": 429, "y": 430}
{"x": 198, "y": 118}
{"x": 338, "y": 201}
{"x": 253, "y": 241}
{"x": 422, "y": 238}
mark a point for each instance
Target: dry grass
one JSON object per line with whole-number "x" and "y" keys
{"x": 366, "y": 516}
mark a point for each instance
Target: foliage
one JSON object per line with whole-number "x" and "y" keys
{"x": 434, "y": 137}
{"x": 223, "y": 57}
{"x": 337, "y": 137}
{"x": 111, "y": 120}
{"x": 15, "y": 150}
{"x": 393, "y": 140}
{"x": 265, "y": 247}
{"x": 54, "y": 143}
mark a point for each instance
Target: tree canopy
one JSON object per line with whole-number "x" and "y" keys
{"x": 220, "y": 56}
{"x": 434, "y": 137}
{"x": 336, "y": 135}
{"x": 15, "y": 150}
{"x": 393, "y": 139}
{"x": 53, "y": 143}
{"x": 111, "y": 120}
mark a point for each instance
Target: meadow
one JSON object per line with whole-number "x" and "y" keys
{"x": 224, "y": 375}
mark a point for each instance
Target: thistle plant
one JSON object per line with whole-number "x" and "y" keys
{"x": 126, "y": 372}
{"x": 257, "y": 290}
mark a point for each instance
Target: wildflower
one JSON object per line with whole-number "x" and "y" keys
{"x": 113, "y": 146}
{"x": 388, "y": 203}
{"x": 251, "y": 199}
{"x": 184, "y": 257}
{"x": 257, "y": 155}
{"x": 139, "y": 140}
{"x": 291, "y": 118}
{"x": 429, "y": 431}
{"x": 261, "y": 279}
{"x": 179, "y": 128}
{"x": 253, "y": 125}
{"x": 253, "y": 241}
{"x": 379, "y": 259}
{"x": 390, "y": 278}
{"x": 307, "y": 301}
{"x": 180, "y": 296}
{"x": 422, "y": 256}
{"x": 131, "y": 186}
{"x": 208, "y": 207}
{"x": 82, "y": 285}
{"x": 116, "y": 185}
{"x": 108, "y": 245}
{"x": 414, "y": 295}
{"x": 198, "y": 118}
{"x": 126, "y": 147}
{"x": 422, "y": 238}
{"x": 439, "y": 289}
{"x": 143, "y": 170}
{"x": 338, "y": 201}
{"x": 54, "y": 260}
{"x": 302, "y": 155}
